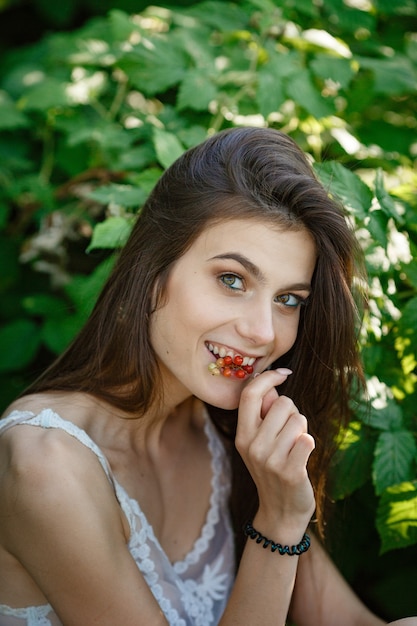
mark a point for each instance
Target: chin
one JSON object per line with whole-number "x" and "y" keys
{"x": 228, "y": 400}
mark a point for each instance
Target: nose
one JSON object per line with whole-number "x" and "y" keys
{"x": 256, "y": 323}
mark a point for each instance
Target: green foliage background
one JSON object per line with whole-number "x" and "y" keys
{"x": 90, "y": 117}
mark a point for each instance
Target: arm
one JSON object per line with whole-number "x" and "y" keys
{"x": 61, "y": 520}
{"x": 273, "y": 442}
{"x": 322, "y": 596}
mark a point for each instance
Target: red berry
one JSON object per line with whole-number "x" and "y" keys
{"x": 248, "y": 369}
{"x": 228, "y": 360}
{"x": 240, "y": 374}
{"x": 238, "y": 360}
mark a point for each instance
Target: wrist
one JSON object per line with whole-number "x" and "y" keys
{"x": 286, "y": 532}
{"x": 296, "y": 549}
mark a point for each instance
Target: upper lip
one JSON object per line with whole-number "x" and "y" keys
{"x": 219, "y": 349}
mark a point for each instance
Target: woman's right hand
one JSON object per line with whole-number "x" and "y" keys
{"x": 273, "y": 442}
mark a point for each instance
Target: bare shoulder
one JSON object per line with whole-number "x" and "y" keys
{"x": 34, "y": 403}
{"x": 42, "y": 469}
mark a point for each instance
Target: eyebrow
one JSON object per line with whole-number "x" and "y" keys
{"x": 256, "y": 272}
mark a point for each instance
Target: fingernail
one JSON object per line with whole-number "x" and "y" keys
{"x": 284, "y": 371}
{"x": 256, "y": 374}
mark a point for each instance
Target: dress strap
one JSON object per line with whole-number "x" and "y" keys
{"x": 49, "y": 419}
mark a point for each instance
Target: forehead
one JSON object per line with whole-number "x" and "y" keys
{"x": 268, "y": 246}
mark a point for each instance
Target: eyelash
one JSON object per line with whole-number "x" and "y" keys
{"x": 229, "y": 276}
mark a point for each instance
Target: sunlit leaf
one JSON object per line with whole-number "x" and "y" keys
{"x": 112, "y": 233}
{"x": 347, "y": 186}
{"x": 119, "y": 195}
{"x": 395, "y": 455}
{"x": 397, "y": 516}
{"x": 167, "y": 147}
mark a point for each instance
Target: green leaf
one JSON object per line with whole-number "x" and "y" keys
{"x": 395, "y": 454}
{"x": 84, "y": 290}
{"x": 222, "y": 16}
{"x": 19, "y": 343}
{"x": 270, "y": 93}
{"x": 347, "y": 186}
{"x": 396, "y": 519}
{"x": 167, "y": 147}
{"x": 352, "y": 462}
{"x": 119, "y": 195}
{"x": 392, "y": 76}
{"x": 377, "y": 226}
{"x": 104, "y": 134}
{"x": 386, "y": 201}
{"x": 388, "y": 418}
{"x": 58, "y": 333}
{"x": 301, "y": 88}
{"x": 122, "y": 25}
{"x": 44, "y": 305}
{"x": 110, "y": 234}
{"x": 48, "y": 94}
{"x": 135, "y": 159}
{"x": 196, "y": 91}
{"x": 10, "y": 116}
{"x": 147, "y": 179}
{"x": 408, "y": 321}
{"x": 155, "y": 68}
{"x": 338, "y": 70}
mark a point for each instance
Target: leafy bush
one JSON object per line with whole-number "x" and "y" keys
{"x": 89, "y": 119}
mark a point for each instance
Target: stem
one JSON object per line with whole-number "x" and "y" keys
{"x": 118, "y": 99}
{"x": 48, "y": 153}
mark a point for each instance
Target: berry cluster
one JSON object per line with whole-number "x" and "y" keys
{"x": 228, "y": 366}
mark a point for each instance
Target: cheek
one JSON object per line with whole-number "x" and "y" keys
{"x": 286, "y": 333}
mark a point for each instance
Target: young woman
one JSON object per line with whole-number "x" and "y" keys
{"x": 165, "y": 469}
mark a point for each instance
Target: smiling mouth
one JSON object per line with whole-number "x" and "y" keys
{"x": 230, "y": 364}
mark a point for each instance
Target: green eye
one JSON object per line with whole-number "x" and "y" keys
{"x": 231, "y": 281}
{"x": 290, "y": 300}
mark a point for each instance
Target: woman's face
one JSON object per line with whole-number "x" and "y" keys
{"x": 236, "y": 292}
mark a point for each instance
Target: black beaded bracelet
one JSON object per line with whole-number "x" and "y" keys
{"x": 301, "y": 547}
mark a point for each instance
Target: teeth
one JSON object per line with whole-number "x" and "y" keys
{"x": 222, "y": 352}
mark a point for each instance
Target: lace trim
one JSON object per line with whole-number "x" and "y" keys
{"x": 31, "y": 611}
{"x": 33, "y": 615}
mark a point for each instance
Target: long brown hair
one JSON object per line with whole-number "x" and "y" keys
{"x": 251, "y": 173}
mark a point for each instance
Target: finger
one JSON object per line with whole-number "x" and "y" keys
{"x": 283, "y": 414}
{"x": 300, "y": 453}
{"x": 279, "y": 432}
{"x": 260, "y": 392}
{"x": 256, "y": 400}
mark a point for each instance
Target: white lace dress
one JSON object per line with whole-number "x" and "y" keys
{"x": 191, "y": 592}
